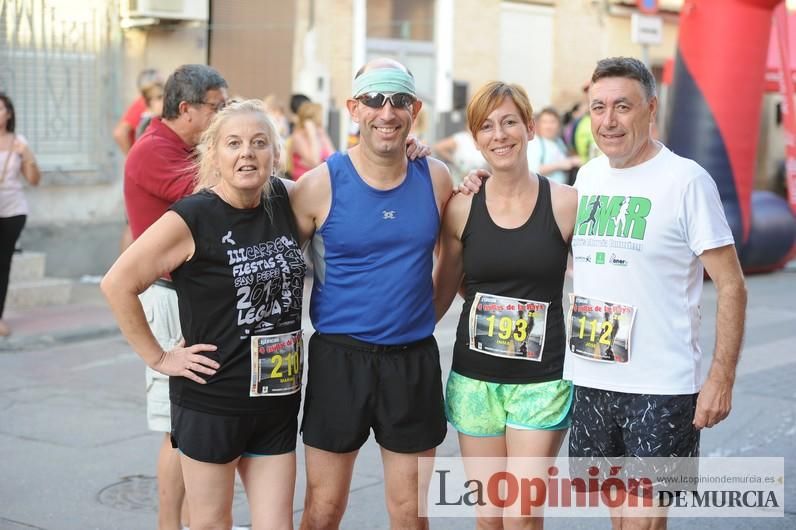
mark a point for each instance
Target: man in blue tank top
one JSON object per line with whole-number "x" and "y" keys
{"x": 373, "y": 217}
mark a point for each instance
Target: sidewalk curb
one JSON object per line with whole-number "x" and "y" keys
{"x": 30, "y": 342}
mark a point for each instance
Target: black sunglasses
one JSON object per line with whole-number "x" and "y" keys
{"x": 398, "y": 100}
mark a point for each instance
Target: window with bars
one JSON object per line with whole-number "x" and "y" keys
{"x": 57, "y": 65}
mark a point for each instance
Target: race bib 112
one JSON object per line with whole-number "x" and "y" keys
{"x": 599, "y": 330}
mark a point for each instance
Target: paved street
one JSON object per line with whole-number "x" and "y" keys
{"x": 77, "y": 454}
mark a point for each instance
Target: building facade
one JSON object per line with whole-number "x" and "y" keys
{"x": 71, "y": 67}
{"x": 453, "y": 47}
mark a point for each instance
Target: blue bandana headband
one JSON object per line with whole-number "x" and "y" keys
{"x": 385, "y": 80}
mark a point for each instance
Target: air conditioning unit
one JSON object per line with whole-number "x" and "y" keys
{"x": 198, "y": 10}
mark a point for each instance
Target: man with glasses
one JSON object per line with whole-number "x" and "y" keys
{"x": 373, "y": 216}
{"x": 160, "y": 170}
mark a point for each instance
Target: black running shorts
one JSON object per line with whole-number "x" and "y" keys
{"x": 354, "y": 386}
{"x": 218, "y": 439}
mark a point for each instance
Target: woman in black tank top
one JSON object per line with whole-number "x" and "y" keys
{"x": 508, "y": 245}
{"x": 233, "y": 252}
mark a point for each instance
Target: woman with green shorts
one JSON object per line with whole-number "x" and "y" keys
{"x": 509, "y": 243}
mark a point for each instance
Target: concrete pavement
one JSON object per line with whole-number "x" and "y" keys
{"x": 76, "y": 453}
{"x": 85, "y": 317}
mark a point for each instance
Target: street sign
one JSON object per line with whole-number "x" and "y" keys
{"x": 645, "y": 29}
{"x": 649, "y": 7}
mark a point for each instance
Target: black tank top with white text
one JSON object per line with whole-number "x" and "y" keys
{"x": 527, "y": 262}
{"x": 246, "y": 278}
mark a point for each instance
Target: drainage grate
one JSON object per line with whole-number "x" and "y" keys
{"x": 139, "y": 493}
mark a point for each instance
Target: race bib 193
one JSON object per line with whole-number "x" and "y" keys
{"x": 508, "y": 327}
{"x": 599, "y": 330}
{"x": 277, "y": 364}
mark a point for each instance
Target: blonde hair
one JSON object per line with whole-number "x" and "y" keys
{"x": 490, "y": 96}
{"x": 272, "y": 104}
{"x": 150, "y": 91}
{"x": 309, "y": 111}
{"x": 206, "y": 174}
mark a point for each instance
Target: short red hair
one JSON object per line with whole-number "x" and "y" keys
{"x": 490, "y": 96}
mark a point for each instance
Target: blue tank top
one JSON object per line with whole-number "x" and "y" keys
{"x": 373, "y": 257}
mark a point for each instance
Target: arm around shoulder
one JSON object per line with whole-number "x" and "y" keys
{"x": 311, "y": 200}
{"x": 449, "y": 269}
{"x": 441, "y": 181}
{"x": 565, "y": 207}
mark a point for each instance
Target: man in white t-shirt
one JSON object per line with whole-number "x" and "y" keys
{"x": 649, "y": 223}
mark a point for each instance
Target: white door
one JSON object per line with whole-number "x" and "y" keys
{"x": 526, "y": 50}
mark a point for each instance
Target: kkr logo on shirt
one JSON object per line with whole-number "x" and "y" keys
{"x": 615, "y": 216}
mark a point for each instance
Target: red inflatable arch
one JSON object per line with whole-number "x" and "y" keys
{"x": 715, "y": 105}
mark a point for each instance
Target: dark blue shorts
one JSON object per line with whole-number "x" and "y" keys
{"x": 615, "y": 424}
{"x": 652, "y": 429}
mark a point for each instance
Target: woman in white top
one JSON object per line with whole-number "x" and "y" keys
{"x": 461, "y": 155}
{"x": 547, "y": 153}
{"x": 17, "y": 164}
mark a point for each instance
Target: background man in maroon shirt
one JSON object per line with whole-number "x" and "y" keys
{"x": 160, "y": 170}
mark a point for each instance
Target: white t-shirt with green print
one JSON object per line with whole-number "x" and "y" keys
{"x": 637, "y": 241}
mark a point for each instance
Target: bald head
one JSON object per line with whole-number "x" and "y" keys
{"x": 386, "y": 76}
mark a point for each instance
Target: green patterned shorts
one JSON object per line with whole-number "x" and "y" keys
{"x": 480, "y": 408}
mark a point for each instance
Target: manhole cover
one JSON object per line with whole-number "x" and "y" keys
{"x": 140, "y": 493}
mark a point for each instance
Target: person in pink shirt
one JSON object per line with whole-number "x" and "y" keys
{"x": 310, "y": 145}
{"x": 17, "y": 167}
